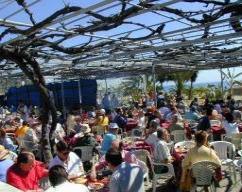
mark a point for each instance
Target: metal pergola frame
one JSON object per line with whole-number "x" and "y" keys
{"x": 181, "y": 46}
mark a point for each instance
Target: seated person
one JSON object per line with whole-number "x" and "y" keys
{"x": 199, "y": 153}
{"x": 6, "y": 141}
{"x": 175, "y": 125}
{"x": 192, "y": 114}
{"x": 26, "y": 173}
{"x": 161, "y": 151}
{"x": 126, "y": 176}
{"x": 109, "y": 137}
{"x": 152, "y": 135}
{"x": 85, "y": 138}
{"x": 229, "y": 125}
{"x": 126, "y": 155}
{"x": 69, "y": 160}
{"x": 59, "y": 180}
{"x": 5, "y": 163}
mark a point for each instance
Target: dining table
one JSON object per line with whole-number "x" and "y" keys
{"x": 8, "y": 188}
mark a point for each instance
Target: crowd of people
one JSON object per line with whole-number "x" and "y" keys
{"x": 105, "y": 130}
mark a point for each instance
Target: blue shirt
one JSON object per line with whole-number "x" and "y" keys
{"x": 127, "y": 178}
{"x": 107, "y": 142}
{"x": 4, "y": 165}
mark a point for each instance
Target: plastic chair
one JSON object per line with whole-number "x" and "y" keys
{"x": 203, "y": 172}
{"x": 142, "y": 154}
{"x": 84, "y": 152}
{"x": 156, "y": 174}
{"x": 145, "y": 170}
{"x": 236, "y": 140}
{"x": 215, "y": 122}
{"x": 178, "y": 135}
{"x": 185, "y": 144}
{"x": 226, "y": 152}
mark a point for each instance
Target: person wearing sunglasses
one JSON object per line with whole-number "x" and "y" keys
{"x": 68, "y": 159}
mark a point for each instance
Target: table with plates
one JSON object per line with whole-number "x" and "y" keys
{"x": 130, "y": 144}
{"x": 99, "y": 185}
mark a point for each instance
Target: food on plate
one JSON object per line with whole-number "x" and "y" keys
{"x": 80, "y": 180}
{"x": 96, "y": 185}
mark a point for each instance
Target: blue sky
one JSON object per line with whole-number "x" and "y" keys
{"x": 45, "y": 7}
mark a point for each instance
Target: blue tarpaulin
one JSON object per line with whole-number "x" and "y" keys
{"x": 31, "y": 96}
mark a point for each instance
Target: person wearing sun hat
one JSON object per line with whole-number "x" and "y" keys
{"x": 109, "y": 137}
{"x": 5, "y": 163}
{"x": 85, "y": 138}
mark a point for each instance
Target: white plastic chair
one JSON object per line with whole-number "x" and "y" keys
{"x": 226, "y": 152}
{"x": 145, "y": 170}
{"x": 203, "y": 172}
{"x": 157, "y": 175}
{"x": 214, "y": 122}
{"x": 86, "y": 152}
{"x": 185, "y": 144}
{"x": 178, "y": 135}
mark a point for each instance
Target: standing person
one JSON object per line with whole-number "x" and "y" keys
{"x": 26, "y": 173}
{"x": 69, "y": 160}
{"x": 59, "y": 181}
{"x": 126, "y": 177}
{"x": 23, "y": 110}
{"x": 106, "y": 101}
{"x": 120, "y": 118}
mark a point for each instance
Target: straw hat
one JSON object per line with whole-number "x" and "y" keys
{"x": 3, "y": 152}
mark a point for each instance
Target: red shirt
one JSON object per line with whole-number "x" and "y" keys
{"x": 26, "y": 180}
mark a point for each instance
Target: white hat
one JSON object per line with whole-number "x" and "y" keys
{"x": 113, "y": 126}
{"x": 102, "y": 111}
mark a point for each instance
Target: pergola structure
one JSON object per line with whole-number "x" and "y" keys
{"x": 113, "y": 38}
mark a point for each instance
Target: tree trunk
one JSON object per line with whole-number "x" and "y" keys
{"x": 31, "y": 69}
{"x": 190, "y": 90}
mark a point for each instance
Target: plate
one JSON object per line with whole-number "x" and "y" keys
{"x": 95, "y": 185}
{"x": 80, "y": 180}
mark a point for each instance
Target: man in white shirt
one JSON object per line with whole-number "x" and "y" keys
{"x": 69, "y": 160}
{"x": 59, "y": 180}
{"x": 161, "y": 150}
{"x": 152, "y": 137}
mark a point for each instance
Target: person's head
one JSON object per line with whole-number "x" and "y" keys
{"x": 113, "y": 127}
{"x": 201, "y": 137}
{"x": 25, "y": 123}
{"x": 209, "y": 111}
{"x": 119, "y": 110}
{"x": 2, "y": 133}
{"x": 25, "y": 161}
{"x": 57, "y": 175}
{"x": 162, "y": 134}
{"x": 154, "y": 125}
{"x": 175, "y": 118}
{"x": 113, "y": 158}
{"x": 63, "y": 150}
{"x": 229, "y": 117}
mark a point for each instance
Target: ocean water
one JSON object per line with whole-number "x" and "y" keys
{"x": 168, "y": 87}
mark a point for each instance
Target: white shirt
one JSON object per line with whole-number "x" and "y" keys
{"x": 230, "y": 128}
{"x": 73, "y": 165}
{"x": 152, "y": 139}
{"x": 67, "y": 186}
{"x": 161, "y": 151}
